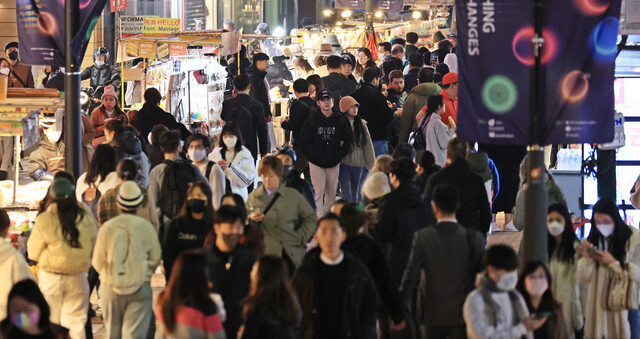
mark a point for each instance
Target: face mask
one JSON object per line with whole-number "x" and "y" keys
{"x": 287, "y": 170}
{"x": 13, "y": 55}
{"x": 196, "y": 155}
{"x": 53, "y": 135}
{"x": 25, "y": 320}
{"x": 230, "y": 142}
{"x": 4, "y": 71}
{"x": 537, "y": 287}
{"x": 555, "y": 228}
{"x": 99, "y": 63}
{"x": 508, "y": 281}
{"x": 606, "y": 229}
{"x": 197, "y": 205}
{"x": 230, "y": 239}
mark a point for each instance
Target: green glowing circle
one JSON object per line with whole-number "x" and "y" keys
{"x": 499, "y": 94}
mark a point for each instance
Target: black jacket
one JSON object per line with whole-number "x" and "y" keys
{"x": 409, "y": 50}
{"x": 56, "y": 81}
{"x": 374, "y": 109}
{"x": 250, "y": 125}
{"x": 101, "y": 75}
{"x": 298, "y": 113}
{"x": 450, "y": 256}
{"x": 401, "y": 215}
{"x": 266, "y": 324}
{"x": 155, "y": 155}
{"x": 277, "y": 72}
{"x": 232, "y": 283}
{"x": 182, "y": 234}
{"x": 293, "y": 180}
{"x": 371, "y": 255}
{"x": 151, "y": 115}
{"x": 338, "y": 86}
{"x": 259, "y": 90}
{"x": 474, "y": 208}
{"x": 411, "y": 79}
{"x": 233, "y": 67}
{"x": 361, "y": 302}
{"x": 321, "y": 139}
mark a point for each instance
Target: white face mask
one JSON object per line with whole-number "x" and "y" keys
{"x": 606, "y": 229}
{"x": 508, "y": 281}
{"x": 536, "y": 287}
{"x": 99, "y": 63}
{"x": 4, "y": 71}
{"x": 230, "y": 142}
{"x": 197, "y": 155}
{"x": 54, "y": 136}
{"x": 555, "y": 228}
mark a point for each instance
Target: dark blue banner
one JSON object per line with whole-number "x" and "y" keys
{"x": 496, "y": 59}
{"x": 41, "y": 30}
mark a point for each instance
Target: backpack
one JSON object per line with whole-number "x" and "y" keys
{"x": 91, "y": 197}
{"x": 418, "y": 139}
{"x": 177, "y": 176}
{"x": 126, "y": 261}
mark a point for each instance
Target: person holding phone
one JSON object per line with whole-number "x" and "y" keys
{"x": 534, "y": 285}
{"x": 611, "y": 248}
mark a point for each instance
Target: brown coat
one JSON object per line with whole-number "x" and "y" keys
{"x": 21, "y": 74}
{"x": 98, "y": 118}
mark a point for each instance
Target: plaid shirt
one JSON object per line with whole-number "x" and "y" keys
{"x": 108, "y": 207}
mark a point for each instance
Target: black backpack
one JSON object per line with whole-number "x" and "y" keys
{"x": 419, "y": 141}
{"x": 177, "y": 176}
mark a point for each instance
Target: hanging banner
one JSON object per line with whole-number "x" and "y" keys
{"x": 41, "y": 30}
{"x": 118, "y": 5}
{"x": 496, "y": 59}
{"x": 161, "y": 25}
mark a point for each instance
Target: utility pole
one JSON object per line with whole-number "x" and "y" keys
{"x": 534, "y": 240}
{"x": 72, "y": 119}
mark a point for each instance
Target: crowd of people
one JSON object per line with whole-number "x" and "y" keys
{"x": 372, "y": 224}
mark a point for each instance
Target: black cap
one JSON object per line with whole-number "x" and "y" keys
{"x": 11, "y": 44}
{"x": 260, "y": 57}
{"x": 323, "y": 94}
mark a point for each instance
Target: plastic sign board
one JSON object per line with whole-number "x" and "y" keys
{"x": 161, "y": 25}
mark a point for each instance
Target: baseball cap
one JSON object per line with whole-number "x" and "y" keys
{"x": 449, "y": 78}
{"x": 323, "y": 94}
{"x": 61, "y": 188}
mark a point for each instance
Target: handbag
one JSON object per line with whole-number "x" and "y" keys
{"x": 621, "y": 292}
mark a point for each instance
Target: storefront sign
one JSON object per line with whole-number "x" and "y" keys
{"x": 41, "y": 30}
{"x": 147, "y": 50}
{"x": 177, "y": 50}
{"x": 132, "y": 25}
{"x": 118, "y": 5}
{"x": 496, "y": 59}
{"x": 161, "y": 25}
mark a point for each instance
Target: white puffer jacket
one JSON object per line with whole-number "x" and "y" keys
{"x": 241, "y": 172}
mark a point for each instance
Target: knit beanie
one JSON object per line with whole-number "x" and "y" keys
{"x": 376, "y": 186}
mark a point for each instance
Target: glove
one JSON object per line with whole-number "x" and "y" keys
{"x": 40, "y": 174}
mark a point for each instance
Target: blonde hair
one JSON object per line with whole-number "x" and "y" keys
{"x": 383, "y": 164}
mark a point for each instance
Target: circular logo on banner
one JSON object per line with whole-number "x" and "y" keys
{"x": 604, "y": 37}
{"x": 499, "y": 94}
{"x": 592, "y": 7}
{"x": 522, "y": 46}
{"x": 47, "y": 23}
{"x": 574, "y": 86}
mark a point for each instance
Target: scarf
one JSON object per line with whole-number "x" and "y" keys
{"x": 486, "y": 286}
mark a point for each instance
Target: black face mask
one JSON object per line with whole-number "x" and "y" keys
{"x": 286, "y": 171}
{"x": 197, "y": 205}
{"x": 13, "y": 55}
{"x": 230, "y": 239}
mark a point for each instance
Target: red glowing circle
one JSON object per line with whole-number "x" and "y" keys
{"x": 574, "y": 86}
{"x": 83, "y": 3}
{"x": 592, "y": 7}
{"x": 47, "y": 23}
{"x": 522, "y": 46}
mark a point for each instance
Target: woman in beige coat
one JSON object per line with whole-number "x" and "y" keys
{"x": 616, "y": 249}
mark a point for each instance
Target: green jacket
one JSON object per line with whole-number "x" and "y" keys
{"x": 288, "y": 225}
{"x": 415, "y": 102}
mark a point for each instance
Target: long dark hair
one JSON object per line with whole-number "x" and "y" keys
{"x": 358, "y": 133}
{"x": 548, "y": 303}
{"x": 185, "y": 212}
{"x": 273, "y": 288}
{"x": 68, "y": 212}
{"x": 433, "y": 103}
{"x": 566, "y": 251}
{"x": 621, "y": 232}
{"x": 316, "y": 81}
{"x": 233, "y": 129}
{"x": 28, "y": 290}
{"x": 46, "y": 201}
{"x": 371, "y": 63}
{"x": 188, "y": 284}
{"x": 102, "y": 163}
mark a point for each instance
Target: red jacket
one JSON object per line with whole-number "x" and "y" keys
{"x": 98, "y": 118}
{"x": 450, "y": 108}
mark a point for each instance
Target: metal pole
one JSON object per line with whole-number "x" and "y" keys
{"x": 368, "y": 12}
{"x": 534, "y": 240}
{"x": 72, "y": 120}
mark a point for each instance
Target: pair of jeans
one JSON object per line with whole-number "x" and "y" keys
{"x": 634, "y": 323}
{"x": 380, "y": 147}
{"x": 350, "y": 178}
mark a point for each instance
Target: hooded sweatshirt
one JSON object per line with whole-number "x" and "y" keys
{"x": 13, "y": 268}
{"x": 325, "y": 140}
{"x": 415, "y": 102}
{"x": 127, "y": 145}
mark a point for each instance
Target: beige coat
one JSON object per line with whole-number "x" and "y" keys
{"x": 47, "y": 246}
{"x": 288, "y": 225}
{"x": 600, "y": 323}
{"x": 565, "y": 288}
